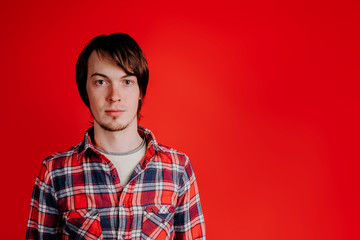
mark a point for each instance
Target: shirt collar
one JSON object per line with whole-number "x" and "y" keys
{"x": 152, "y": 146}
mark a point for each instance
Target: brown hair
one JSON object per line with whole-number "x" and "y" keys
{"x": 125, "y": 52}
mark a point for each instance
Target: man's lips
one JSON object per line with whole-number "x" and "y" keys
{"x": 114, "y": 112}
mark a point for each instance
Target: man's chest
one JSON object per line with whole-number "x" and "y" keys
{"x": 98, "y": 186}
{"x": 94, "y": 194}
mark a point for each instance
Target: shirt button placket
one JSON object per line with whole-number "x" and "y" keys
{"x": 121, "y": 234}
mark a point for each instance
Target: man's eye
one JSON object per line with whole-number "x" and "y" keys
{"x": 128, "y": 82}
{"x": 100, "y": 82}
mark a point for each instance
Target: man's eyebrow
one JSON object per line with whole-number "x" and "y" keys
{"x": 104, "y": 76}
{"x": 99, "y": 74}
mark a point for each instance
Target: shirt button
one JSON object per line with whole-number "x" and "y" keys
{"x": 114, "y": 176}
{"x": 123, "y": 204}
{"x": 123, "y": 236}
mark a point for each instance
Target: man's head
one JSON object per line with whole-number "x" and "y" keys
{"x": 124, "y": 52}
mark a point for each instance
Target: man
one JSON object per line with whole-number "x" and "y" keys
{"x": 118, "y": 183}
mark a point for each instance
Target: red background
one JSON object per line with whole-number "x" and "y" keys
{"x": 262, "y": 95}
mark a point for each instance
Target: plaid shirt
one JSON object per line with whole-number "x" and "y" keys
{"x": 78, "y": 195}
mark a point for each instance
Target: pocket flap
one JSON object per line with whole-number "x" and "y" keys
{"x": 160, "y": 209}
{"x": 83, "y": 224}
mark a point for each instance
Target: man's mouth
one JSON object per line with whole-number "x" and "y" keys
{"x": 114, "y": 112}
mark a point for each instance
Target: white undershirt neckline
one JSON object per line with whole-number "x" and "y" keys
{"x": 125, "y": 163}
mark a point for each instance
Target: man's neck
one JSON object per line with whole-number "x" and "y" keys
{"x": 117, "y": 141}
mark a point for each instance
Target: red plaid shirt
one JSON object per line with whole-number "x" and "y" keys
{"x": 78, "y": 195}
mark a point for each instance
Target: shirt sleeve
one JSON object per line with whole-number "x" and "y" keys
{"x": 189, "y": 219}
{"x": 44, "y": 217}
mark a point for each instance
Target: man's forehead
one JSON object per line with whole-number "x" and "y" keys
{"x": 106, "y": 67}
{"x": 98, "y": 55}
{"x": 101, "y": 56}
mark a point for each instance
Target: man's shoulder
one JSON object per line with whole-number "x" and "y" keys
{"x": 62, "y": 158}
{"x": 169, "y": 150}
{"x": 171, "y": 155}
{"x": 165, "y": 154}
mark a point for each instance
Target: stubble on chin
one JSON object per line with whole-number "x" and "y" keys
{"x": 114, "y": 127}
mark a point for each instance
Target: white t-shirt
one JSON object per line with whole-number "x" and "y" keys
{"x": 125, "y": 163}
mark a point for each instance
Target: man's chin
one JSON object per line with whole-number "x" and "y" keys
{"x": 113, "y": 128}
{"x": 114, "y": 125}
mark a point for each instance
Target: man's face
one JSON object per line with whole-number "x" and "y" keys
{"x": 113, "y": 95}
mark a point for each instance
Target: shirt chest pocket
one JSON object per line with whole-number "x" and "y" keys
{"x": 82, "y": 224}
{"x": 158, "y": 222}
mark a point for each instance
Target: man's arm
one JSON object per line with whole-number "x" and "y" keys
{"x": 44, "y": 217}
{"x": 189, "y": 220}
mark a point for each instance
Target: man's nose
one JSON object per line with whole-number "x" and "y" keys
{"x": 114, "y": 95}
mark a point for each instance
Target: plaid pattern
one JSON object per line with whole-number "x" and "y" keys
{"x": 78, "y": 195}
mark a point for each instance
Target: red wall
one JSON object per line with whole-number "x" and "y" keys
{"x": 262, "y": 95}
